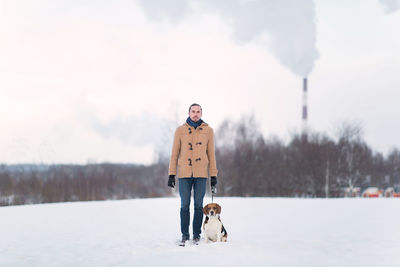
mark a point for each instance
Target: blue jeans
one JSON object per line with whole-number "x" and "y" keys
{"x": 185, "y": 189}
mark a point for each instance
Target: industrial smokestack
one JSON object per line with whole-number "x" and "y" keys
{"x": 305, "y": 108}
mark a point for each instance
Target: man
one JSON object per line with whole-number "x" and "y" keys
{"x": 193, "y": 157}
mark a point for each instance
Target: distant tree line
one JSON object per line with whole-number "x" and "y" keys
{"x": 311, "y": 164}
{"x": 63, "y": 183}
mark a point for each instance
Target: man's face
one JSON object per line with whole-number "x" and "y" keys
{"x": 195, "y": 113}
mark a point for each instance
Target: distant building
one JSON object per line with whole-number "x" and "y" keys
{"x": 389, "y": 192}
{"x": 352, "y": 192}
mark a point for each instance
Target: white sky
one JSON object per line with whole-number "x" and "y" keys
{"x": 100, "y": 81}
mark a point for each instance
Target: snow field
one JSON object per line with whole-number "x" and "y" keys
{"x": 262, "y": 232}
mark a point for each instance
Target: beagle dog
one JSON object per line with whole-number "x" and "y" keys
{"x": 213, "y": 228}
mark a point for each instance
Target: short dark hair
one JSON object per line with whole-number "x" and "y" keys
{"x": 193, "y": 105}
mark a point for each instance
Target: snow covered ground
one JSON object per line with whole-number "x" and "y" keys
{"x": 262, "y": 232}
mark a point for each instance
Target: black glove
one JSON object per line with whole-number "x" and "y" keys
{"x": 171, "y": 181}
{"x": 213, "y": 184}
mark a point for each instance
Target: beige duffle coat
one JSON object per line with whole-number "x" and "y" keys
{"x": 193, "y": 152}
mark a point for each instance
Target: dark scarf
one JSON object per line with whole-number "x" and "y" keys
{"x": 194, "y": 124}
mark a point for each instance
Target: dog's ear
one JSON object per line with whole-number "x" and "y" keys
{"x": 205, "y": 209}
{"x": 218, "y": 209}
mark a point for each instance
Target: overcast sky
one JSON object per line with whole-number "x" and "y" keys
{"x": 84, "y": 81}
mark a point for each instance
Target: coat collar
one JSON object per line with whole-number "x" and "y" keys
{"x": 187, "y": 125}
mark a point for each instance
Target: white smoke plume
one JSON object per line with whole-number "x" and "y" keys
{"x": 288, "y": 24}
{"x": 390, "y": 6}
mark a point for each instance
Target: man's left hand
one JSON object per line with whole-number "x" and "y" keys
{"x": 213, "y": 181}
{"x": 213, "y": 184}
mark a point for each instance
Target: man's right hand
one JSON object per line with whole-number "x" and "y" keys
{"x": 171, "y": 181}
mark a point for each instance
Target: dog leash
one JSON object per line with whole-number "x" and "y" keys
{"x": 213, "y": 191}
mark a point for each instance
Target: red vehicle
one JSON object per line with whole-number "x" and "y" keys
{"x": 372, "y": 192}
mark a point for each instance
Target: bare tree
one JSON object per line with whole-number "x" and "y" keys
{"x": 353, "y": 154}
